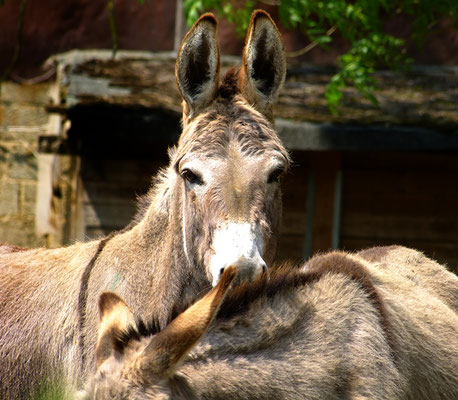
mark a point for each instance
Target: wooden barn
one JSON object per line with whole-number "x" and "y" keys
{"x": 371, "y": 175}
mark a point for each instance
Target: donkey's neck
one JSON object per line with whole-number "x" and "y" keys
{"x": 150, "y": 268}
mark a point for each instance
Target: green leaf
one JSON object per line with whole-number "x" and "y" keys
{"x": 333, "y": 93}
{"x": 192, "y": 10}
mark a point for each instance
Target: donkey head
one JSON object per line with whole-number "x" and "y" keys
{"x": 135, "y": 365}
{"x": 229, "y": 158}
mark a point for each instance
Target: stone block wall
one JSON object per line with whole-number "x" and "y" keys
{"x": 23, "y": 118}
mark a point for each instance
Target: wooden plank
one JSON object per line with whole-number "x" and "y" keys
{"x": 130, "y": 171}
{"x": 402, "y": 198}
{"x": 110, "y": 189}
{"x": 386, "y": 192}
{"x": 112, "y": 193}
{"x": 76, "y": 226}
{"x": 43, "y": 216}
{"x": 400, "y": 161}
{"x": 326, "y": 168}
{"x": 107, "y": 216}
{"x": 294, "y": 187}
{"x": 293, "y": 222}
{"x": 400, "y": 205}
{"x": 398, "y": 227}
{"x": 291, "y": 247}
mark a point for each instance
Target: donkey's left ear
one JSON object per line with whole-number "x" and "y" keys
{"x": 197, "y": 66}
{"x": 264, "y": 63}
{"x": 115, "y": 318}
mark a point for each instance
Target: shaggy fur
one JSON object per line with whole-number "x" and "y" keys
{"x": 339, "y": 328}
{"x": 48, "y": 312}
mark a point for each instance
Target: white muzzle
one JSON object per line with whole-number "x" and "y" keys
{"x": 240, "y": 245}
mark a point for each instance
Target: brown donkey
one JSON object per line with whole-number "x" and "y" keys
{"x": 217, "y": 204}
{"x": 340, "y": 328}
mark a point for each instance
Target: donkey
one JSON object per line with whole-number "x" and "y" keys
{"x": 342, "y": 327}
{"x": 218, "y": 203}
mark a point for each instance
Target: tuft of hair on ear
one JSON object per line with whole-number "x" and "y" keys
{"x": 198, "y": 64}
{"x": 122, "y": 338}
{"x": 264, "y": 63}
{"x": 229, "y": 84}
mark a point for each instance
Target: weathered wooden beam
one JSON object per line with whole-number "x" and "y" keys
{"x": 417, "y": 110}
{"x": 327, "y": 136}
{"x": 424, "y": 97}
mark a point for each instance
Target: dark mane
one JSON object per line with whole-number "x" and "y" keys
{"x": 122, "y": 338}
{"x": 284, "y": 278}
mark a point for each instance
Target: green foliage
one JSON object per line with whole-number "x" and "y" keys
{"x": 360, "y": 22}
{"x": 240, "y": 16}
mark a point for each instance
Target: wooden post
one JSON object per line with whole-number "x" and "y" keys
{"x": 43, "y": 218}
{"x": 48, "y": 170}
{"x": 323, "y": 203}
{"x": 180, "y": 25}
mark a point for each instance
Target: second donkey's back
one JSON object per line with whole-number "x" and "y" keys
{"x": 340, "y": 328}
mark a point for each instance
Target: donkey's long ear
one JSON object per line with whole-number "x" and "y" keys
{"x": 197, "y": 66}
{"x": 264, "y": 63}
{"x": 162, "y": 355}
{"x": 115, "y": 317}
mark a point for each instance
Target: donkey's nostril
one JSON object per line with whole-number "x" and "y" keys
{"x": 250, "y": 268}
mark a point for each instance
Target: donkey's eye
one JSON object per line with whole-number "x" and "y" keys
{"x": 191, "y": 177}
{"x": 275, "y": 175}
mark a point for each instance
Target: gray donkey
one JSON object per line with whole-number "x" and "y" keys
{"x": 381, "y": 324}
{"x": 217, "y": 204}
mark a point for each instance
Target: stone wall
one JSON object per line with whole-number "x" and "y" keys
{"x": 23, "y": 119}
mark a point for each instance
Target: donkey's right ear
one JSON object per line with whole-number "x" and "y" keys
{"x": 197, "y": 66}
{"x": 264, "y": 63}
{"x": 115, "y": 318}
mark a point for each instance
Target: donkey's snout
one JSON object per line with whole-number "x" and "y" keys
{"x": 240, "y": 245}
{"x": 248, "y": 269}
